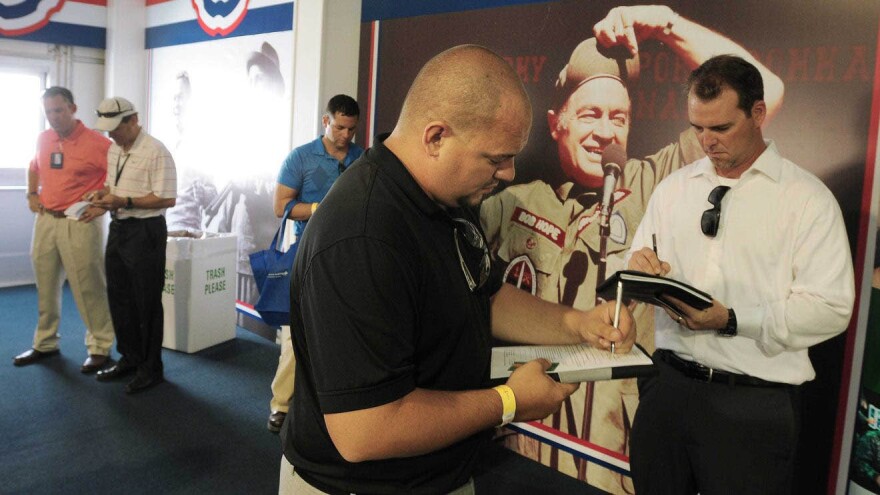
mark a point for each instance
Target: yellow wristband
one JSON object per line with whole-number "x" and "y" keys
{"x": 314, "y": 207}
{"x": 508, "y": 403}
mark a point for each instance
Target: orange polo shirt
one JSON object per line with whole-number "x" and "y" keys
{"x": 83, "y": 168}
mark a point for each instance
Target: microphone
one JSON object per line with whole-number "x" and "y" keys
{"x": 613, "y": 158}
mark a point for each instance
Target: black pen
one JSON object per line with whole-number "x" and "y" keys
{"x": 654, "y": 240}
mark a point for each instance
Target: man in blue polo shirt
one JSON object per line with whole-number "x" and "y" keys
{"x": 305, "y": 178}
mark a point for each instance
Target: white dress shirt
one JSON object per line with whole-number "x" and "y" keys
{"x": 780, "y": 259}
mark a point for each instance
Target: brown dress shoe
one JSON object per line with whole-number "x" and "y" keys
{"x": 94, "y": 362}
{"x": 31, "y": 356}
{"x": 276, "y": 419}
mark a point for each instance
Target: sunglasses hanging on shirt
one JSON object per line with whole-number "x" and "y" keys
{"x": 711, "y": 219}
{"x": 474, "y": 238}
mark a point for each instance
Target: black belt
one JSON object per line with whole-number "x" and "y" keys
{"x": 702, "y": 373}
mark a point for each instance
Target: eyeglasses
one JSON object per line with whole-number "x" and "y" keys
{"x": 473, "y": 237}
{"x": 711, "y": 218}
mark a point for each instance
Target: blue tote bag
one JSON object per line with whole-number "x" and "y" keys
{"x": 272, "y": 269}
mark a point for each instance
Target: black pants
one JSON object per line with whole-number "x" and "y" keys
{"x": 693, "y": 437}
{"x": 135, "y": 262}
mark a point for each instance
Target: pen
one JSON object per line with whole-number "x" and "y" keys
{"x": 654, "y": 241}
{"x": 617, "y": 309}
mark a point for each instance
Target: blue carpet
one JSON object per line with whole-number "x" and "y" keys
{"x": 204, "y": 431}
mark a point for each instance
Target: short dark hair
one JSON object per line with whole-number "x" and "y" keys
{"x": 707, "y": 80}
{"x": 59, "y": 91}
{"x": 343, "y": 104}
{"x": 127, "y": 118}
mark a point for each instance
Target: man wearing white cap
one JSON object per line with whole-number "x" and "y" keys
{"x": 558, "y": 257}
{"x": 141, "y": 184}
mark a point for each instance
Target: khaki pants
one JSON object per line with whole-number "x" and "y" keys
{"x": 289, "y": 483}
{"x": 66, "y": 246}
{"x": 282, "y": 384}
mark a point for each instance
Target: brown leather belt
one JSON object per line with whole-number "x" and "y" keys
{"x": 54, "y": 213}
{"x": 702, "y": 373}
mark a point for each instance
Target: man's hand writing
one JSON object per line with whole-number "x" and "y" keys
{"x": 646, "y": 260}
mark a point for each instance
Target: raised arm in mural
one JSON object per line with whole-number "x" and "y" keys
{"x": 693, "y": 43}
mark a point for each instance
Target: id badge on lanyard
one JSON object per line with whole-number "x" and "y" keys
{"x": 56, "y": 160}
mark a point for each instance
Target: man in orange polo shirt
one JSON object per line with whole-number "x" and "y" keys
{"x": 71, "y": 160}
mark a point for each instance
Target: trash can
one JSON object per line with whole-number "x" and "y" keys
{"x": 199, "y": 294}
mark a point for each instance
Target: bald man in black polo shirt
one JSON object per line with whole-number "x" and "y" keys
{"x": 395, "y": 303}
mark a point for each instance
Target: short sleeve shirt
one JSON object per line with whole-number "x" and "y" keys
{"x": 147, "y": 168}
{"x": 79, "y": 166}
{"x": 311, "y": 171}
{"x": 380, "y": 306}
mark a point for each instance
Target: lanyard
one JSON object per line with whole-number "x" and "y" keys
{"x": 119, "y": 168}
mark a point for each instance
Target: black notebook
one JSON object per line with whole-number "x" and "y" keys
{"x": 651, "y": 289}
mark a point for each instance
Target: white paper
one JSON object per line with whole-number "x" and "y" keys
{"x": 565, "y": 358}
{"x": 76, "y": 210}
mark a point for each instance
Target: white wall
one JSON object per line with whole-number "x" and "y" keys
{"x": 326, "y": 38}
{"x": 126, "y": 70}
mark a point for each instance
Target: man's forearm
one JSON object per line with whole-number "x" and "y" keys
{"x": 423, "y": 421}
{"x": 33, "y": 182}
{"x": 152, "y": 202}
{"x": 518, "y": 316}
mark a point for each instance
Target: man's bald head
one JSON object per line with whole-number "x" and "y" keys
{"x": 467, "y": 86}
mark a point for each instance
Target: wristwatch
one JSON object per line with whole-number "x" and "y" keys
{"x": 729, "y": 330}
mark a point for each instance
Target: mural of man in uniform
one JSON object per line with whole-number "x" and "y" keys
{"x": 548, "y": 236}
{"x": 244, "y": 205}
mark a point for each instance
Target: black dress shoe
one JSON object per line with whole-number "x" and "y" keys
{"x": 95, "y": 362}
{"x": 114, "y": 372}
{"x": 31, "y": 356}
{"x": 141, "y": 383}
{"x": 276, "y": 419}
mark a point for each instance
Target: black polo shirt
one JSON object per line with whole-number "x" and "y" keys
{"x": 379, "y": 307}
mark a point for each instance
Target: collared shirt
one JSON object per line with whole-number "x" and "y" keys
{"x": 381, "y": 307}
{"x": 780, "y": 259}
{"x": 147, "y": 168}
{"x": 311, "y": 171}
{"x": 83, "y": 168}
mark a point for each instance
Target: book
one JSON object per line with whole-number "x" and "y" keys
{"x": 573, "y": 363}
{"x": 76, "y": 210}
{"x": 651, "y": 289}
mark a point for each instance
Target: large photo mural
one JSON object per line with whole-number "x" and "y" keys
{"x": 222, "y": 104}
{"x": 818, "y": 65}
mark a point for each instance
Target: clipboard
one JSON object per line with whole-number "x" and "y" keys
{"x": 573, "y": 363}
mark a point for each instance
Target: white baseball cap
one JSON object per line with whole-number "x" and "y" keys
{"x": 111, "y": 111}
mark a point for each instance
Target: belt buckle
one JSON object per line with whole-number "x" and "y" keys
{"x": 704, "y": 372}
